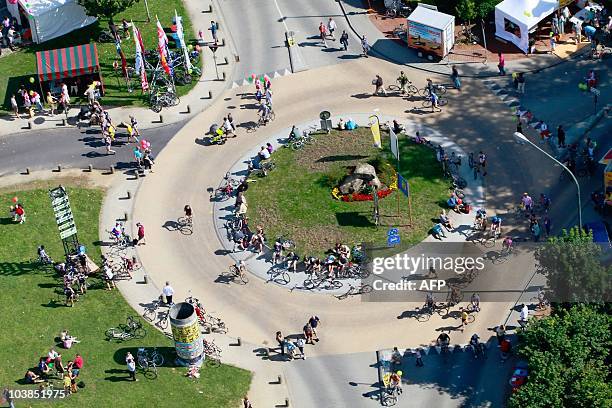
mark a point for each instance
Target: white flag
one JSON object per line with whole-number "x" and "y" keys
{"x": 394, "y": 143}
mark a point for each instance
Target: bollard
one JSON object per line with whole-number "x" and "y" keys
{"x": 280, "y": 380}
{"x": 225, "y": 61}
{"x": 145, "y": 279}
{"x": 27, "y": 170}
{"x": 129, "y": 195}
{"x": 237, "y": 57}
{"x": 287, "y": 402}
{"x": 209, "y": 94}
{"x": 63, "y": 122}
{"x": 59, "y": 168}
{"x": 125, "y": 216}
{"x": 161, "y": 119}
{"x": 137, "y": 174}
{"x": 239, "y": 341}
{"x": 188, "y": 109}
{"x": 90, "y": 168}
{"x": 223, "y": 42}
{"x": 223, "y": 76}
{"x": 29, "y": 124}
{"x": 112, "y": 169}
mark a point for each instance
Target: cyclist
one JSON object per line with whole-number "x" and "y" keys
{"x": 188, "y": 212}
{"x": 403, "y": 81}
{"x": 443, "y": 341}
{"x": 474, "y": 341}
{"x": 240, "y": 267}
{"x": 430, "y": 86}
{"x": 480, "y": 223}
{"x": 496, "y": 226}
{"x": 507, "y": 244}
{"x": 395, "y": 382}
{"x": 429, "y": 301}
{"x": 475, "y": 301}
{"x": 455, "y": 295}
{"x": 294, "y": 134}
{"x": 434, "y": 100}
{"x": 264, "y": 113}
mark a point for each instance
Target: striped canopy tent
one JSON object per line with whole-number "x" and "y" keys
{"x": 68, "y": 62}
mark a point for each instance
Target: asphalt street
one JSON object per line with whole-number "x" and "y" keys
{"x": 259, "y": 34}
{"x": 73, "y": 148}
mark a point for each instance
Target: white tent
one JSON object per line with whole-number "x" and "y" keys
{"x": 53, "y": 18}
{"x": 514, "y": 19}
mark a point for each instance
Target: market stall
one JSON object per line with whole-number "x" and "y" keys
{"x": 49, "y": 19}
{"x": 515, "y": 19}
{"x": 76, "y": 66}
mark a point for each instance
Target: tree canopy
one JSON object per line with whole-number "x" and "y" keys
{"x": 566, "y": 354}
{"x": 105, "y": 8}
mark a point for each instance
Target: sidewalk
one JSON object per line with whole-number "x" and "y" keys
{"x": 204, "y": 94}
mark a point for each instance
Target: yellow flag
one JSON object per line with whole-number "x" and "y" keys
{"x": 375, "y": 127}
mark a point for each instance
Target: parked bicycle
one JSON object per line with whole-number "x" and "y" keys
{"x": 262, "y": 169}
{"x": 155, "y": 313}
{"x": 355, "y": 290}
{"x": 238, "y": 274}
{"x": 106, "y": 36}
{"x": 212, "y": 352}
{"x": 149, "y": 360}
{"x": 132, "y": 330}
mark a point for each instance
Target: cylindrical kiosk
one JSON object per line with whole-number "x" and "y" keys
{"x": 186, "y": 333}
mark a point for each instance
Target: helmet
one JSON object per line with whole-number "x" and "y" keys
{"x": 399, "y": 373}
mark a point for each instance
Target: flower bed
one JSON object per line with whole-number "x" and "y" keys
{"x": 365, "y": 197}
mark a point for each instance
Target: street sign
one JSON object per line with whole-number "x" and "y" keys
{"x": 393, "y": 237}
{"x": 402, "y": 185}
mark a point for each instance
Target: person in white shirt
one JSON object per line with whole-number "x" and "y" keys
{"x": 65, "y": 94}
{"x": 168, "y": 292}
{"x": 331, "y": 27}
{"x": 227, "y": 127}
{"x": 264, "y": 154}
{"x": 524, "y": 316}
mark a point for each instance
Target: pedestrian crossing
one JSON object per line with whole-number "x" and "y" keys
{"x": 506, "y": 93}
{"x": 272, "y": 74}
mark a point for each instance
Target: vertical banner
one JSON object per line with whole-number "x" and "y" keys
{"x": 181, "y": 36}
{"x": 162, "y": 48}
{"x": 394, "y": 143}
{"x": 375, "y": 128}
{"x": 140, "y": 61}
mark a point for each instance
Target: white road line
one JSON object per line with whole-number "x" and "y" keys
{"x": 280, "y": 13}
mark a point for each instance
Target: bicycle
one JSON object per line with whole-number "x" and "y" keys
{"x": 409, "y": 88}
{"x": 148, "y": 361}
{"x": 125, "y": 333}
{"x": 238, "y": 274}
{"x": 390, "y": 393}
{"x": 438, "y": 89}
{"x": 322, "y": 282}
{"x": 286, "y": 244}
{"x": 279, "y": 275}
{"x": 185, "y": 225}
{"x": 238, "y": 223}
{"x": 153, "y": 312}
{"x": 213, "y": 324}
{"x": 262, "y": 170}
{"x": 106, "y": 36}
{"x": 441, "y": 102}
{"x": 212, "y": 352}
{"x": 355, "y": 290}
{"x": 469, "y": 310}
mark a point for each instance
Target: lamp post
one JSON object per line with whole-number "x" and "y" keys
{"x": 522, "y": 138}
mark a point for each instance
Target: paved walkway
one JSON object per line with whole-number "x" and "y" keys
{"x": 206, "y": 91}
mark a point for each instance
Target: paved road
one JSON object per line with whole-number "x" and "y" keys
{"x": 71, "y": 147}
{"x": 259, "y": 33}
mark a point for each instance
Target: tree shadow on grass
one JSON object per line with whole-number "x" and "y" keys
{"x": 353, "y": 219}
{"x": 20, "y": 268}
{"x": 341, "y": 157}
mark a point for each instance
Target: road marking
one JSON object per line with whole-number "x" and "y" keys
{"x": 280, "y": 13}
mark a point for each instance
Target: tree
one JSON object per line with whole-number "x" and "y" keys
{"x": 466, "y": 10}
{"x": 566, "y": 355}
{"x": 106, "y": 8}
{"x": 573, "y": 269}
{"x": 485, "y": 7}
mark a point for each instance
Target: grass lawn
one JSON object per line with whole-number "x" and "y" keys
{"x": 18, "y": 67}
{"x": 32, "y": 320}
{"x": 295, "y": 199}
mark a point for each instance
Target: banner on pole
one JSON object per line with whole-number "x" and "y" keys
{"x": 394, "y": 143}
{"x": 375, "y": 128}
{"x": 402, "y": 185}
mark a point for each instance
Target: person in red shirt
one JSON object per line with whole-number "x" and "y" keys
{"x": 77, "y": 365}
{"x": 505, "y": 347}
{"x": 19, "y": 214}
{"x": 141, "y": 233}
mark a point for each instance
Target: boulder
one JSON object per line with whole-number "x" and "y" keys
{"x": 367, "y": 172}
{"x": 351, "y": 184}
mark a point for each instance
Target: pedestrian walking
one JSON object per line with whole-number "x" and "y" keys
{"x": 131, "y": 366}
{"x": 561, "y": 23}
{"x": 520, "y": 79}
{"x": 323, "y": 34}
{"x": 281, "y": 342}
{"x": 246, "y": 403}
{"x": 35, "y": 100}
{"x": 331, "y": 27}
{"x": 314, "y": 322}
{"x": 501, "y": 64}
{"x": 300, "y": 343}
{"x": 344, "y": 40}
{"x": 141, "y": 234}
{"x": 230, "y": 119}
{"x": 365, "y": 46}
{"x": 419, "y": 358}
{"x": 108, "y": 142}
{"x": 213, "y": 30}
{"x": 134, "y": 124}
{"x": 52, "y": 102}
{"x": 500, "y": 332}
{"x": 482, "y": 162}
{"x": 379, "y": 86}
{"x": 552, "y": 43}
{"x": 168, "y": 292}
{"x": 561, "y": 136}
{"x": 15, "y": 106}
{"x": 147, "y": 160}
{"x": 455, "y": 78}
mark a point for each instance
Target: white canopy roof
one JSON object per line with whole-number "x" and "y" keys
{"x": 431, "y": 18}
{"x": 53, "y": 18}
{"x": 528, "y": 12}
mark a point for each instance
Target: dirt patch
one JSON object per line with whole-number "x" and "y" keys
{"x": 47, "y": 179}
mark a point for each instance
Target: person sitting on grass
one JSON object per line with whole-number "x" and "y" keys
{"x": 31, "y": 378}
{"x": 43, "y": 367}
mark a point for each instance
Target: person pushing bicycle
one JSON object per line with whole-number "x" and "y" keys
{"x": 403, "y": 81}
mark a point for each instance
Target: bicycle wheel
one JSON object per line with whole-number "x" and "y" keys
{"x": 411, "y": 89}
{"x": 113, "y": 333}
{"x": 364, "y": 273}
{"x": 143, "y": 362}
{"x": 335, "y": 284}
{"x": 282, "y": 278}
{"x": 366, "y": 289}
{"x": 268, "y": 166}
{"x": 440, "y": 90}
{"x": 157, "y": 359}
{"x": 156, "y": 107}
{"x": 489, "y": 242}
{"x": 393, "y": 88}
{"x": 389, "y": 399}
{"x": 150, "y": 314}
{"x": 426, "y": 103}
{"x": 471, "y": 318}
{"x": 221, "y": 194}
{"x": 139, "y": 333}
{"x": 244, "y": 278}
{"x": 296, "y": 145}
{"x": 105, "y": 37}
{"x": 272, "y": 116}
{"x": 422, "y": 315}
{"x": 424, "y": 92}
{"x": 310, "y": 284}
{"x": 163, "y": 323}
{"x": 442, "y": 102}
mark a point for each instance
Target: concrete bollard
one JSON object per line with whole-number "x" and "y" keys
{"x": 236, "y": 57}
{"x": 280, "y": 380}
{"x": 129, "y": 195}
{"x": 125, "y": 216}
{"x": 145, "y": 279}
{"x": 27, "y": 170}
{"x": 223, "y": 76}
{"x": 90, "y": 168}
{"x": 63, "y": 122}
{"x": 161, "y": 119}
{"x": 112, "y": 169}
{"x": 223, "y": 42}
{"x": 188, "y": 109}
{"x": 59, "y": 168}
{"x": 29, "y": 124}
